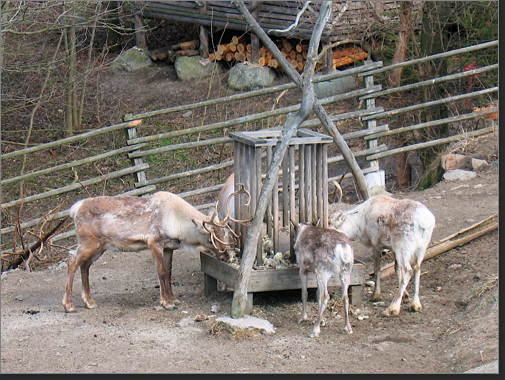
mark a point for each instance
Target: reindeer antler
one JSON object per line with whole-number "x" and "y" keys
{"x": 228, "y": 217}
{"x": 213, "y": 236}
{"x": 339, "y": 189}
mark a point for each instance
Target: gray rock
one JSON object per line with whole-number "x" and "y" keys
{"x": 459, "y": 175}
{"x": 479, "y": 165}
{"x": 334, "y": 87}
{"x": 193, "y": 67}
{"x": 130, "y": 60}
{"x": 248, "y": 323}
{"x": 248, "y": 77}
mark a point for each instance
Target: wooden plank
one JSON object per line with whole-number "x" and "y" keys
{"x": 302, "y": 215}
{"x": 318, "y": 168}
{"x": 218, "y": 269}
{"x": 325, "y": 185}
{"x": 292, "y": 202}
{"x": 262, "y": 280}
{"x": 271, "y": 201}
{"x": 308, "y": 183}
{"x": 285, "y": 191}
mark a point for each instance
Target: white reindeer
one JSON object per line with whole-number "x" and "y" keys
{"x": 326, "y": 252}
{"x": 402, "y": 226}
{"x": 161, "y": 223}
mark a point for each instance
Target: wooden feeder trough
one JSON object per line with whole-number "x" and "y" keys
{"x": 300, "y": 195}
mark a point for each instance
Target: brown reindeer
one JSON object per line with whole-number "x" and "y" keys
{"x": 161, "y": 223}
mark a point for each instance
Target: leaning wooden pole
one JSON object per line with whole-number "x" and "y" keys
{"x": 452, "y": 241}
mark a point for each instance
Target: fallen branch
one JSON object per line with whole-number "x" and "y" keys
{"x": 25, "y": 253}
{"x": 452, "y": 241}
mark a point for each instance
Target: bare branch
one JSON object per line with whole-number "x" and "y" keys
{"x": 295, "y": 24}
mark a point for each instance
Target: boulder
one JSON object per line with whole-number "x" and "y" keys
{"x": 334, "y": 86}
{"x": 459, "y": 175}
{"x": 130, "y": 60}
{"x": 479, "y": 165}
{"x": 249, "y": 77}
{"x": 193, "y": 67}
{"x": 454, "y": 161}
{"x": 247, "y": 323}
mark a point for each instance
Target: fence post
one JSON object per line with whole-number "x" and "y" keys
{"x": 371, "y": 123}
{"x": 140, "y": 176}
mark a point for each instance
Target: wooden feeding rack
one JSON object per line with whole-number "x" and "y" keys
{"x": 299, "y": 195}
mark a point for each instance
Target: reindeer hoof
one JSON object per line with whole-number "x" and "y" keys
{"x": 70, "y": 309}
{"x": 391, "y": 312}
{"x": 302, "y": 320}
{"x": 68, "y": 306}
{"x": 91, "y": 304}
{"x": 416, "y": 307}
{"x": 348, "y": 330}
{"x": 375, "y": 297}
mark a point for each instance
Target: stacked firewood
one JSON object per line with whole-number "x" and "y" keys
{"x": 238, "y": 50}
{"x": 188, "y": 48}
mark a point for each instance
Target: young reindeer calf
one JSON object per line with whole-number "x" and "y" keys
{"x": 326, "y": 252}
{"x": 161, "y": 223}
{"x": 404, "y": 226}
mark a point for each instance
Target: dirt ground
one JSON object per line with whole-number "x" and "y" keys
{"x": 457, "y": 329}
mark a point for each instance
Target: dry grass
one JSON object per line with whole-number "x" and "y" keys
{"x": 220, "y": 328}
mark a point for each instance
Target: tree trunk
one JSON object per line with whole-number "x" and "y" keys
{"x": 395, "y": 78}
{"x": 433, "y": 40}
{"x": 71, "y": 81}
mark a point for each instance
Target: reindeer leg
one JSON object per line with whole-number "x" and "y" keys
{"x": 167, "y": 258}
{"x": 67, "y": 302}
{"x": 86, "y": 292}
{"x": 86, "y": 254}
{"x": 163, "y": 259}
{"x": 345, "y": 279}
{"x": 404, "y": 272}
{"x": 322, "y": 300}
{"x": 376, "y": 295}
{"x": 303, "y": 280}
{"x": 416, "y": 302}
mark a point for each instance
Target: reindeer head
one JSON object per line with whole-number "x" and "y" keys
{"x": 337, "y": 218}
{"x": 222, "y": 236}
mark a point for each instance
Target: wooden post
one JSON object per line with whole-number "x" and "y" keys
{"x": 327, "y": 59}
{"x": 140, "y": 35}
{"x": 255, "y": 42}
{"x": 140, "y": 176}
{"x": 204, "y": 36}
{"x": 371, "y": 123}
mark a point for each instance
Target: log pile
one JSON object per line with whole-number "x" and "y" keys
{"x": 239, "y": 50}
{"x": 188, "y": 48}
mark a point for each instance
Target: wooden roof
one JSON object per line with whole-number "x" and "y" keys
{"x": 359, "y": 19}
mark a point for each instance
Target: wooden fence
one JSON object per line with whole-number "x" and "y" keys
{"x": 148, "y": 162}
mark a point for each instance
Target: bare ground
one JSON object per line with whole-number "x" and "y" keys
{"x": 457, "y": 329}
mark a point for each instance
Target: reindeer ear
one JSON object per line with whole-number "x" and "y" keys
{"x": 199, "y": 224}
{"x": 211, "y": 211}
{"x": 337, "y": 218}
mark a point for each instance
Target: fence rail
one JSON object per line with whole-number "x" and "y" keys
{"x": 142, "y": 151}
